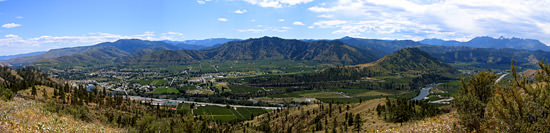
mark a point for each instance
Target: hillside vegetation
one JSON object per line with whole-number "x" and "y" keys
{"x": 139, "y": 52}
{"x": 32, "y": 101}
{"x": 358, "y": 117}
{"x": 411, "y": 68}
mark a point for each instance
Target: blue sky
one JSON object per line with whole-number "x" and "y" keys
{"x": 39, "y": 25}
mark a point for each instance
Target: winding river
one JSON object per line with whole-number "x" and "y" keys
{"x": 424, "y": 92}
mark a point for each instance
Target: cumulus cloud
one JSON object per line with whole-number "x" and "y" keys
{"x": 298, "y": 23}
{"x": 10, "y": 25}
{"x": 263, "y": 29}
{"x": 326, "y": 16}
{"x": 241, "y": 11}
{"x": 448, "y": 19}
{"x": 11, "y": 36}
{"x": 19, "y": 17}
{"x": 281, "y": 20}
{"x": 277, "y": 3}
{"x": 222, "y": 19}
{"x": 14, "y": 44}
{"x": 203, "y": 1}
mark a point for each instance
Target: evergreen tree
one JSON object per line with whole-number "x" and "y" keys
{"x": 44, "y": 93}
{"x": 33, "y": 91}
{"x": 358, "y": 123}
{"x": 522, "y": 106}
{"x": 472, "y": 99}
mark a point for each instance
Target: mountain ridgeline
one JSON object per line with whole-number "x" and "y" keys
{"x": 379, "y": 47}
{"x": 102, "y": 52}
{"x": 415, "y": 66}
{"x": 485, "y": 57}
{"x": 266, "y": 48}
{"x": 406, "y": 60}
{"x": 489, "y": 42}
{"x": 282, "y": 49}
{"x": 346, "y": 51}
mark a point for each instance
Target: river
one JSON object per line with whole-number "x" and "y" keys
{"x": 424, "y": 92}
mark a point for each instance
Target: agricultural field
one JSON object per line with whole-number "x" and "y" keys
{"x": 227, "y": 114}
{"x": 243, "y": 89}
{"x": 164, "y": 90}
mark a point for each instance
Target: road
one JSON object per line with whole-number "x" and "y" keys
{"x": 139, "y": 98}
{"x": 501, "y": 77}
{"x": 443, "y": 101}
{"x": 446, "y": 101}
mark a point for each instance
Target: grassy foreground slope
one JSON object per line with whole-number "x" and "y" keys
{"x": 332, "y": 117}
{"x": 21, "y": 115}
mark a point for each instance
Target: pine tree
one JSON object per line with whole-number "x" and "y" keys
{"x": 44, "y": 93}
{"x": 472, "y": 99}
{"x": 350, "y": 119}
{"x": 522, "y": 106}
{"x": 33, "y": 91}
{"x": 358, "y": 123}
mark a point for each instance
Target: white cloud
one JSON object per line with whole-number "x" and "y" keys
{"x": 11, "y": 36}
{"x": 281, "y": 20}
{"x": 329, "y": 23}
{"x": 13, "y": 44}
{"x": 298, "y": 23}
{"x": 19, "y": 17}
{"x": 171, "y": 36}
{"x": 277, "y": 3}
{"x": 241, "y": 11}
{"x": 222, "y": 19}
{"x": 447, "y": 19}
{"x": 203, "y": 1}
{"x": 326, "y": 16}
{"x": 263, "y": 29}
{"x": 253, "y": 20}
{"x": 10, "y": 25}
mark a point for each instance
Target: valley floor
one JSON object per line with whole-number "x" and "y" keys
{"x": 22, "y": 115}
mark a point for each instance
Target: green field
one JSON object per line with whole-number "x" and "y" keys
{"x": 184, "y": 107}
{"x": 164, "y": 90}
{"x": 293, "y": 94}
{"x": 227, "y": 114}
{"x": 243, "y": 89}
{"x": 336, "y": 93}
{"x": 150, "y": 82}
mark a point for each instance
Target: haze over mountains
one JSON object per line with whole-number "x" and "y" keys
{"x": 346, "y": 50}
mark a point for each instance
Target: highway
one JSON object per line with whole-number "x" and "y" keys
{"x": 139, "y": 98}
{"x": 501, "y": 77}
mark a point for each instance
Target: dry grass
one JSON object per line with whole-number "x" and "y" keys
{"x": 23, "y": 115}
{"x": 371, "y": 123}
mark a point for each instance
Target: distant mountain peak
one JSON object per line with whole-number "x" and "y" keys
{"x": 347, "y": 37}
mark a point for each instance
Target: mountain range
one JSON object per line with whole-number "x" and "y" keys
{"x": 379, "y": 47}
{"x": 265, "y": 48}
{"x": 7, "y": 57}
{"x": 120, "y": 48}
{"x": 409, "y": 59}
{"x": 345, "y": 50}
{"x": 200, "y": 44}
{"x": 489, "y": 42}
